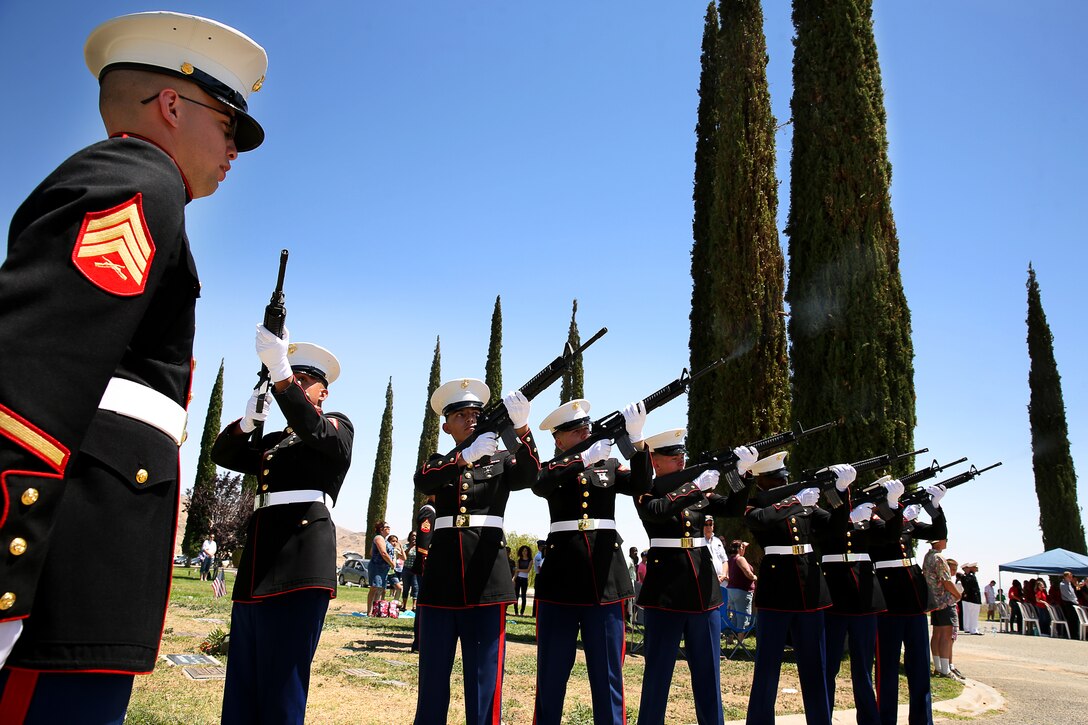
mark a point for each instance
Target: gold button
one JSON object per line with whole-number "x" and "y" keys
{"x": 585, "y": 516}
{"x": 585, "y": 505}
{"x": 687, "y": 523}
{"x": 464, "y": 486}
{"x": 141, "y": 476}
{"x": 656, "y": 561}
{"x": 29, "y": 496}
{"x": 463, "y": 509}
{"x": 796, "y": 538}
{"x": 793, "y": 519}
{"x": 795, "y": 529}
{"x": 264, "y": 486}
{"x": 464, "y": 497}
{"x": 848, "y": 534}
{"x": 772, "y": 566}
{"x": 265, "y": 472}
{"x": 687, "y": 533}
{"x": 18, "y": 546}
{"x": 304, "y": 522}
{"x": 582, "y": 479}
{"x": 268, "y": 457}
{"x": 7, "y": 601}
{"x": 615, "y": 546}
{"x": 585, "y": 494}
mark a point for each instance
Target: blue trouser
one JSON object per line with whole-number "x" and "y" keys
{"x": 806, "y": 630}
{"x": 862, "y": 631}
{"x": 482, "y": 632}
{"x": 911, "y": 635}
{"x": 272, "y": 643}
{"x": 702, "y": 633}
{"x": 32, "y": 697}
{"x": 557, "y": 628}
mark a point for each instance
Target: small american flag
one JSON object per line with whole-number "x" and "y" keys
{"x": 218, "y": 586}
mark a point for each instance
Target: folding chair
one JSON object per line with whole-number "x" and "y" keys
{"x": 1004, "y": 617}
{"x": 738, "y": 625}
{"x": 1031, "y": 619}
{"x": 1057, "y": 619}
{"x": 636, "y": 630}
{"x": 1081, "y": 624}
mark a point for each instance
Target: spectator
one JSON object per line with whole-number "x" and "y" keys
{"x": 632, "y": 568}
{"x": 396, "y": 553}
{"x": 1016, "y": 598}
{"x": 952, "y": 566}
{"x": 640, "y": 572}
{"x": 1040, "y": 602}
{"x": 942, "y": 586}
{"x": 989, "y": 597}
{"x": 741, "y": 579}
{"x": 207, "y": 555}
{"x": 538, "y": 561}
{"x": 380, "y": 564}
{"x": 409, "y": 579}
{"x": 1068, "y": 590}
{"x": 1082, "y": 592}
{"x": 972, "y": 598}
{"x": 521, "y": 577}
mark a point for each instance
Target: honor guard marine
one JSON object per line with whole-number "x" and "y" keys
{"x": 287, "y": 571}
{"x": 424, "y": 531}
{"x": 583, "y": 586}
{"x": 466, "y": 584}
{"x": 97, "y": 300}
{"x": 903, "y": 627}
{"x": 680, "y": 595}
{"x": 792, "y": 592}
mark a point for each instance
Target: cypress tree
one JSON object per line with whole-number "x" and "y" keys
{"x": 1055, "y": 477}
{"x": 572, "y": 385}
{"x": 198, "y": 518}
{"x": 493, "y": 368}
{"x": 428, "y": 439}
{"x": 383, "y": 463}
{"x": 849, "y": 325}
{"x": 736, "y": 316}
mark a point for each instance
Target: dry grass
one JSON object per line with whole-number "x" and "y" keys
{"x": 381, "y": 645}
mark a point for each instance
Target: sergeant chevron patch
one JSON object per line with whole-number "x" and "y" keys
{"x": 114, "y": 249}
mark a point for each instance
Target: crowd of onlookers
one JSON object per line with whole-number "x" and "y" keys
{"x": 1062, "y": 595}
{"x": 390, "y": 569}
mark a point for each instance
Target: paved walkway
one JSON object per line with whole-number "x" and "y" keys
{"x": 1011, "y": 679}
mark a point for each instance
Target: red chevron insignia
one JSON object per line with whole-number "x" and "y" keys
{"x": 114, "y": 249}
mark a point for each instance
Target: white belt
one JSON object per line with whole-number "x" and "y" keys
{"x": 697, "y": 543}
{"x": 582, "y": 525}
{"x": 141, "y": 403}
{"x": 841, "y": 558}
{"x": 281, "y": 497}
{"x": 796, "y": 549}
{"x": 893, "y": 563}
{"x": 464, "y": 521}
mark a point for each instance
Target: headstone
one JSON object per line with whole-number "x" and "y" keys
{"x": 195, "y": 659}
{"x": 205, "y": 673}
{"x": 357, "y": 672}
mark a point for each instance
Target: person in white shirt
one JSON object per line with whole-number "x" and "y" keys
{"x": 208, "y": 549}
{"x": 717, "y": 553}
{"x": 989, "y": 598}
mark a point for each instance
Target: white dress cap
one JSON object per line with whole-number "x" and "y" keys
{"x": 667, "y": 443}
{"x": 568, "y": 415}
{"x": 312, "y": 359}
{"x": 461, "y": 393}
{"x": 770, "y": 464}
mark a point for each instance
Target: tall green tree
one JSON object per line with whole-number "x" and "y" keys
{"x": 428, "y": 439}
{"x": 849, "y": 325}
{"x": 736, "y": 260}
{"x": 573, "y": 382}
{"x": 493, "y": 367}
{"x": 1055, "y": 477}
{"x": 198, "y": 520}
{"x": 383, "y": 464}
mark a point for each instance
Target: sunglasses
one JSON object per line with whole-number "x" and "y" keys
{"x": 233, "y": 118}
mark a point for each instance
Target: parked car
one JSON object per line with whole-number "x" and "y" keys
{"x": 181, "y": 560}
{"x": 354, "y": 572}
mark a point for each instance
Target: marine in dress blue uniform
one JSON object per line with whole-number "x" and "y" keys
{"x": 680, "y": 595}
{"x": 466, "y": 585}
{"x": 424, "y": 530}
{"x": 97, "y": 300}
{"x": 792, "y": 592}
{"x": 583, "y": 584}
{"x": 903, "y": 627}
{"x": 287, "y": 572}
{"x": 856, "y": 599}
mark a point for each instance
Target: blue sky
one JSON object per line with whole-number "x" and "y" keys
{"x": 422, "y": 159}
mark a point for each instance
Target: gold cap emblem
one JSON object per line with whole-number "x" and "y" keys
{"x": 576, "y": 406}
{"x": 464, "y": 384}
{"x": 292, "y": 348}
{"x": 187, "y": 68}
{"x": 7, "y": 601}
{"x": 18, "y": 546}
{"x": 29, "y": 496}
{"x": 141, "y": 476}
{"x": 258, "y": 83}
{"x": 678, "y": 434}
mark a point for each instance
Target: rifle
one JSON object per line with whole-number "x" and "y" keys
{"x": 877, "y": 494}
{"x": 275, "y": 317}
{"x": 496, "y": 419}
{"x": 922, "y": 496}
{"x": 613, "y": 426}
{"x": 824, "y": 479}
{"x": 722, "y": 460}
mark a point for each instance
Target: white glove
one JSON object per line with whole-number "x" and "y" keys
{"x": 250, "y": 420}
{"x": 844, "y": 475}
{"x": 910, "y": 513}
{"x": 486, "y": 445}
{"x": 517, "y": 407}
{"x": 273, "y": 353}
{"x": 808, "y": 496}
{"x": 895, "y": 489}
{"x": 9, "y": 635}
{"x": 746, "y": 458}
{"x": 707, "y": 480}
{"x": 599, "y": 451}
{"x": 862, "y": 513}
{"x": 936, "y": 493}
{"x": 634, "y": 419}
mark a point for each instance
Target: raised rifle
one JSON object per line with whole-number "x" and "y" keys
{"x": 496, "y": 419}
{"x": 725, "y": 459}
{"x": 613, "y": 426}
{"x": 875, "y": 493}
{"x": 824, "y": 479}
{"x": 922, "y": 496}
{"x": 275, "y": 317}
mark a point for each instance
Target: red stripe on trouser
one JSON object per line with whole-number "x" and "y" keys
{"x": 623, "y": 656}
{"x": 877, "y": 683}
{"x": 18, "y": 692}
{"x": 496, "y": 704}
